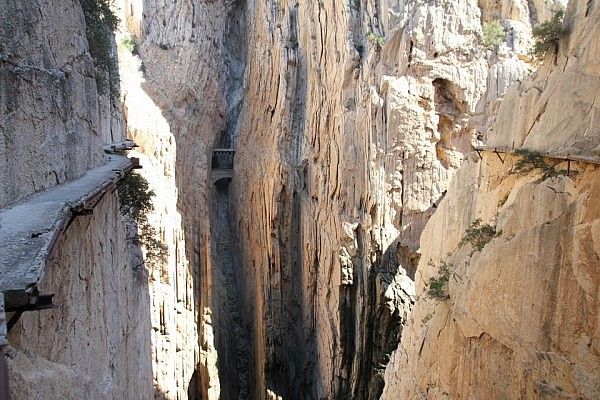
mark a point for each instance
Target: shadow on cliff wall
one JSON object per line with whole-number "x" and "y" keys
{"x": 184, "y": 71}
{"x": 98, "y": 339}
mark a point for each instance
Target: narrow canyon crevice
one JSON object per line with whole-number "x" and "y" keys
{"x": 232, "y": 338}
{"x": 303, "y": 270}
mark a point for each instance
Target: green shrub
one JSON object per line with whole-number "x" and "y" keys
{"x": 436, "y": 287}
{"x": 100, "y": 24}
{"x": 530, "y": 160}
{"x": 135, "y": 197}
{"x": 546, "y": 35}
{"x": 493, "y": 34}
{"x": 130, "y": 44}
{"x": 376, "y": 38}
{"x": 479, "y": 235}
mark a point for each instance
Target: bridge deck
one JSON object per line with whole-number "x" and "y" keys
{"x": 30, "y": 229}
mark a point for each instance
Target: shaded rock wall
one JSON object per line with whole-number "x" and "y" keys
{"x": 96, "y": 345}
{"x": 521, "y": 319}
{"x": 179, "y": 95}
{"x": 53, "y": 121}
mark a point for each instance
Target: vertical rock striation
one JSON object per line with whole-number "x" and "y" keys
{"x": 355, "y": 118}
{"x": 180, "y": 93}
{"x": 521, "y": 316}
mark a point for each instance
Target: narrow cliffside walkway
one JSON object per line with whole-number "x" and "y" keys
{"x": 31, "y": 229}
{"x": 515, "y": 151}
{"x": 235, "y": 363}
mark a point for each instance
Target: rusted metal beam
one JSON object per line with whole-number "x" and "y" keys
{"x": 575, "y": 158}
{"x": 498, "y": 154}
{"x": 41, "y": 302}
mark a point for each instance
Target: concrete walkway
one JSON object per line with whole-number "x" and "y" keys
{"x": 588, "y": 160}
{"x": 30, "y": 229}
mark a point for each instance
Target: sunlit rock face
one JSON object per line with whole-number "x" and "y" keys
{"x": 556, "y": 110}
{"x": 53, "y": 120}
{"x": 355, "y": 118}
{"x": 520, "y": 319}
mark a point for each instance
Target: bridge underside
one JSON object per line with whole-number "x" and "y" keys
{"x": 221, "y": 176}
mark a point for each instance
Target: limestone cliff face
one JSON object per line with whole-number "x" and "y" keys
{"x": 177, "y": 93}
{"x": 96, "y": 345}
{"x": 349, "y": 121}
{"x": 521, "y": 317}
{"x": 53, "y": 121}
{"x": 355, "y": 118}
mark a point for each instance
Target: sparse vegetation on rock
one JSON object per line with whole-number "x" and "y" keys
{"x": 478, "y": 235}
{"x": 493, "y": 34}
{"x": 436, "y": 287}
{"x": 531, "y": 160}
{"x": 135, "y": 197}
{"x": 101, "y": 22}
{"x": 547, "y": 35}
{"x": 376, "y": 38}
{"x": 130, "y": 44}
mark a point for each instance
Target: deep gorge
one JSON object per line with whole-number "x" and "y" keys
{"x": 370, "y": 138}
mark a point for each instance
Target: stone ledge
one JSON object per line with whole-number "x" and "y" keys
{"x": 31, "y": 229}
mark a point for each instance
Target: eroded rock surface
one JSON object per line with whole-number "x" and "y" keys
{"x": 521, "y": 316}
{"x": 53, "y": 120}
{"x": 361, "y": 114}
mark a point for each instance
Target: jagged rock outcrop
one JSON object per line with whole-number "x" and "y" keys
{"x": 521, "y": 316}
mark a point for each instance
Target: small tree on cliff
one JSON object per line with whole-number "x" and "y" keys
{"x": 547, "y": 35}
{"x": 493, "y": 34}
{"x": 135, "y": 197}
{"x": 100, "y": 25}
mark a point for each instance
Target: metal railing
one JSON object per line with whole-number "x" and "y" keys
{"x": 222, "y": 159}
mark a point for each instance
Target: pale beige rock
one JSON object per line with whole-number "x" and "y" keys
{"x": 521, "y": 317}
{"x": 540, "y": 119}
{"x": 344, "y": 151}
